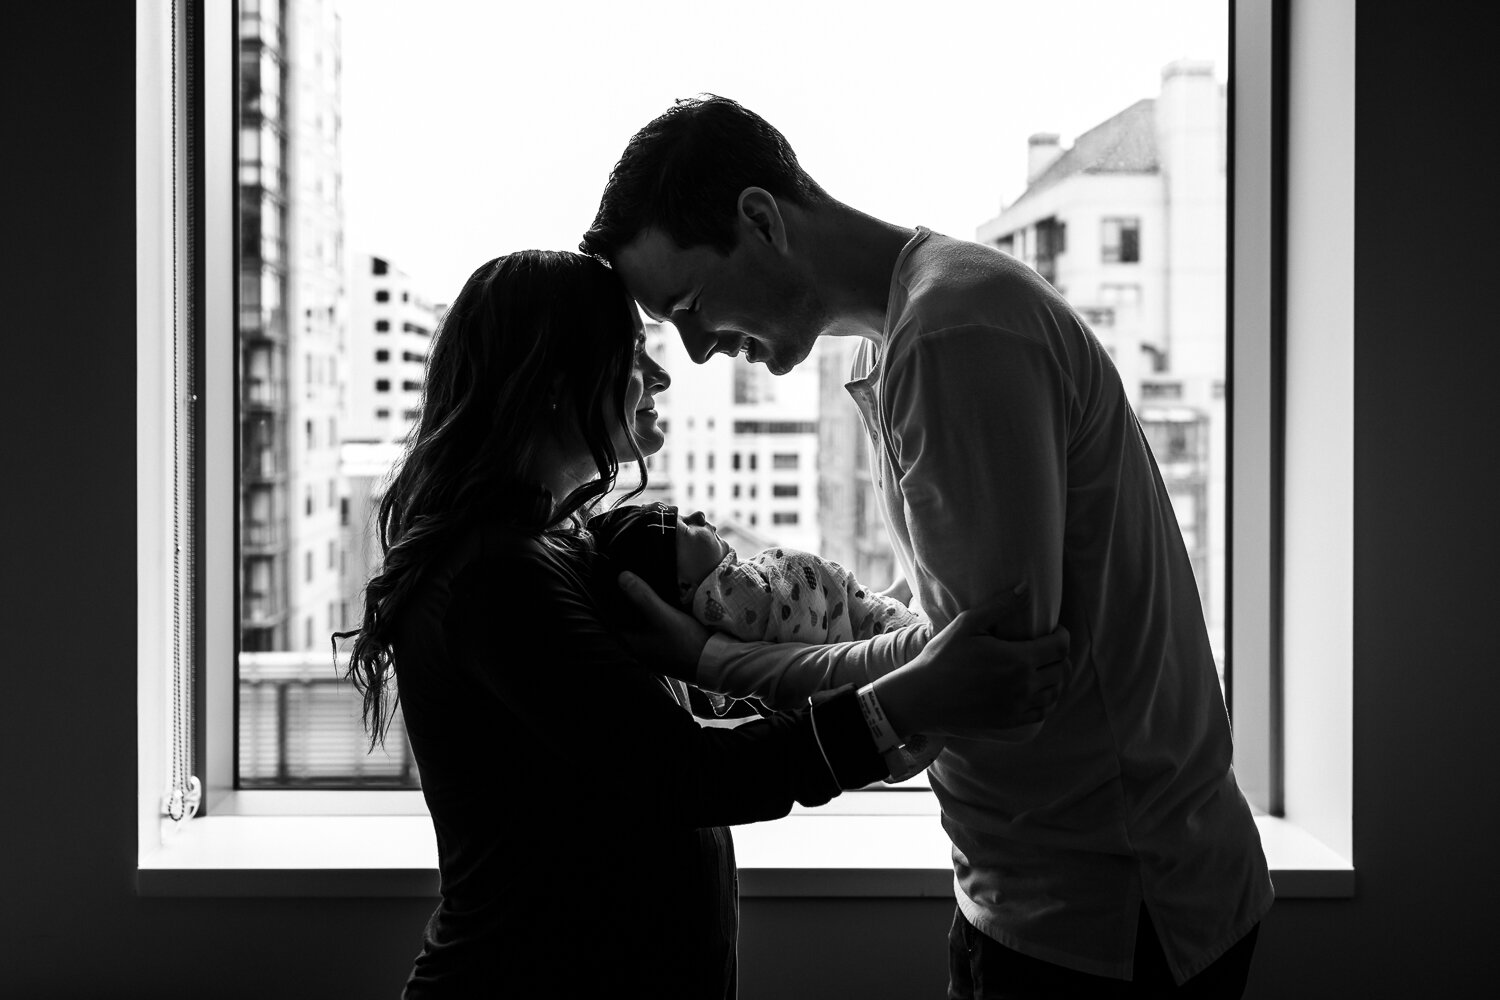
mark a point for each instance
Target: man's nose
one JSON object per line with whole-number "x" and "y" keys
{"x": 698, "y": 343}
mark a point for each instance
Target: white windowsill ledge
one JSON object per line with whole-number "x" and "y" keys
{"x": 870, "y": 844}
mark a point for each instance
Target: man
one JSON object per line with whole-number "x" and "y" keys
{"x": 1111, "y": 843}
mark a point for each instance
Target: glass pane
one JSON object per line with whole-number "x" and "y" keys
{"x": 1099, "y": 162}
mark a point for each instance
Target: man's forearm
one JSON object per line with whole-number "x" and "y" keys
{"x": 784, "y": 674}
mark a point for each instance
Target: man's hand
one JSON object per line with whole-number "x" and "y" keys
{"x": 970, "y": 683}
{"x": 664, "y": 639}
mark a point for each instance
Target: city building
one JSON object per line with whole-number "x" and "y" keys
{"x": 391, "y": 324}
{"x": 1128, "y": 224}
{"x": 292, "y": 322}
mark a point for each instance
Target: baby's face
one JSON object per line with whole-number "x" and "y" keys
{"x": 699, "y": 550}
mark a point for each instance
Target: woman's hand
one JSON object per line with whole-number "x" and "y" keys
{"x": 971, "y": 684}
{"x": 664, "y": 639}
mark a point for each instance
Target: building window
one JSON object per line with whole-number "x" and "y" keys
{"x": 734, "y": 461}
{"x": 1120, "y": 241}
{"x": 382, "y": 326}
{"x": 785, "y": 460}
{"x": 382, "y": 296}
{"x": 378, "y": 266}
{"x": 784, "y": 489}
{"x": 382, "y": 414}
{"x": 410, "y": 385}
{"x": 787, "y": 517}
{"x": 382, "y": 385}
{"x": 382, "y": 355}
{"x": 775, "y": 427}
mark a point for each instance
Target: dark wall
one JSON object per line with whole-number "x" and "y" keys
{"x": 1427, "y": 580}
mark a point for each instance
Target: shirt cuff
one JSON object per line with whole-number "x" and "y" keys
{"x": 843, "y": 736}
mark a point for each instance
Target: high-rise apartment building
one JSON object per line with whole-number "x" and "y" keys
{"x": 292, "y": 322}
{"x": 390, "y": 333}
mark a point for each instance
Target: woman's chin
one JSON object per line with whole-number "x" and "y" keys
{"x": 648, "y": 437}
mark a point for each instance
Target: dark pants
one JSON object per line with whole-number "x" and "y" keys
{"x": 980, "y": 968}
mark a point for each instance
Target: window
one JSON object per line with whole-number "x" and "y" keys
{"x": 263, "y": 622}
{"x": 382, "y": 326}
{"x": 382, "y": 295}
{"x": 1120, "y": 242}
{"x": 1120, "y": 238}
{"x": 382, "y": 355}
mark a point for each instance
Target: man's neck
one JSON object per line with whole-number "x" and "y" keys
{"x": 854, "y": 255}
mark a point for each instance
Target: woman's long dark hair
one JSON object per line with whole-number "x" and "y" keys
{"x": 530, "y": 330}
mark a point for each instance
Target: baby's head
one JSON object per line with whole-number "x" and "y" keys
{"x": 673, "y": 554}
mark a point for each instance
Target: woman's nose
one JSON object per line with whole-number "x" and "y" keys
{"x": 696, "y": 517}
{"x": 658, "y": 378}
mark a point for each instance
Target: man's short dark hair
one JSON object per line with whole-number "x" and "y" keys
{"x": 684, "y": 171}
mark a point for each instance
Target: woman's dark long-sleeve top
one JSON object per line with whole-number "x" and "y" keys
{"x": 573, "y": 800}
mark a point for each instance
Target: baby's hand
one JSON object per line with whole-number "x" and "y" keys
{"x": 912, "y": 757}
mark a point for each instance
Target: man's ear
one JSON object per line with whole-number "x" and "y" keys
{"x": 760, "y": 217}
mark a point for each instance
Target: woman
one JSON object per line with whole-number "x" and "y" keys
{"x": 577, "y": 804}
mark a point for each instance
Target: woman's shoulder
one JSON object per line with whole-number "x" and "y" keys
{"x": 526, "y": 557}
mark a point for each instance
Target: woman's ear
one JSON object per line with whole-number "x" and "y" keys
{"x": 760, "y": 217}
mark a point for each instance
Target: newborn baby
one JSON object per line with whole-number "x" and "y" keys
{"x": 777, "y": 595}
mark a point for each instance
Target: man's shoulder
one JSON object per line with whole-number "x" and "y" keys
{"x": 950, "y": 284}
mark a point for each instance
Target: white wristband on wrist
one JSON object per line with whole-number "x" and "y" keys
{"x": 880, "y": 727}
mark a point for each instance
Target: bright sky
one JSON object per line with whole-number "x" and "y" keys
{"x": 474, "y": 127}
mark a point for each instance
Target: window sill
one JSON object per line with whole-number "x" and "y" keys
{"x": 863, "y": 844}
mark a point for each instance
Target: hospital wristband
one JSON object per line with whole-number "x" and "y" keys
{"x": 880, "y": 727}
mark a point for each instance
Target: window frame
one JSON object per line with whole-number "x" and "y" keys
{"x": 274, "y": 843}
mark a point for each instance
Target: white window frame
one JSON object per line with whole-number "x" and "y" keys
{"x": 380, "y": 843}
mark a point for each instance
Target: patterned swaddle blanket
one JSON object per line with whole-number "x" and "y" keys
{"x": 786, "y": 595}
